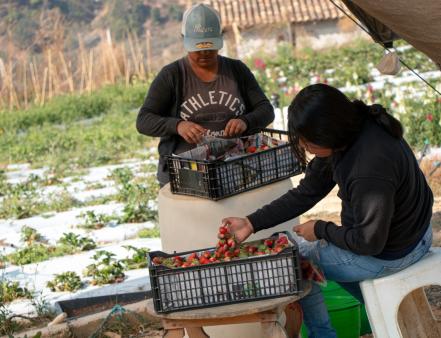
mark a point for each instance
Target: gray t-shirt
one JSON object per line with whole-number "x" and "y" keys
{"x": 209, "y": 104}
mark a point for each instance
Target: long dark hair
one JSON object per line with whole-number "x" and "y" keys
{"x": 323, "y": 115}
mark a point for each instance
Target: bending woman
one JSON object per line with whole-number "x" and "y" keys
{"x": 386, "y": 201}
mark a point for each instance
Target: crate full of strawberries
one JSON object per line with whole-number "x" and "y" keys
{"x": 225, "y": 167}
{"x": 226, "y": 274}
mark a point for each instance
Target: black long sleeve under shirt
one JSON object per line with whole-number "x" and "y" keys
{"x": 386, "y": 202}
{"x": 160, "y": 112}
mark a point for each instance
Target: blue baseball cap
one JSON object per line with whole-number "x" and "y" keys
{"x": 201, "y": 28}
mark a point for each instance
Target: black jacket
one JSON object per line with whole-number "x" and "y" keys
{"x": 159, "y": 115}
{"x": 386, "y": 201}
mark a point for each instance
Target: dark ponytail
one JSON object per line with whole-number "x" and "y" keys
{"x": 380, "y": 115}
{"x": 323, "y": 115}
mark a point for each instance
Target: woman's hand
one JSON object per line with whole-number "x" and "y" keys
{"x": 235, "y": 127}
{"x": 190, "y": 132}
{"x": 241, "y": 228}
{"x": 306, "y": 230}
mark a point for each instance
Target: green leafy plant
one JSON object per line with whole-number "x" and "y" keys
{"x": 21, "y": 199}
{"x": 30, "y": 235}
{"x": 77, "y": 242}
{"x": 7, "y": 323}
{"x": 93, "y": 221}
{"x": 95, "y": 186}
{"x": 51, "y": 177}
{"x": 122, "y": 175}
{"x": 66, "y": 281}
{"x": 138, "y": 259}
{"x": 149, "y": 232}
{"x": 38, "y": 252}
{"x": 42, "y": 307}
{"x": 11, "y": 290}
{"x": 3, "y": 183}
{"x": 24, "y": 199}
{"x": 105, "y": 270}
{"x": 33, "y": 253}
{"x": 140, "y": 199}
{"x": 62, "y": 201}
{"x": 123, "y": 178}
{"x": 35, "y": 135}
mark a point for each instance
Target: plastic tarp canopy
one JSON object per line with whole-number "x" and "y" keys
{"x": 417, "y": 22}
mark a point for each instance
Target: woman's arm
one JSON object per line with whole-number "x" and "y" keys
{"x": 154, "y": 117}
{"x": 260, "y": 112}
{"x": 372, "y": 201}
{"x": 316, "y": 184}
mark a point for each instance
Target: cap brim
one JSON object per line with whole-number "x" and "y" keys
{"x": 195, "y": 45}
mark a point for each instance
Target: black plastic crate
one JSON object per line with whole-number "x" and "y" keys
{"x": 215, "y": 284}
{"x": 219, "y": 179}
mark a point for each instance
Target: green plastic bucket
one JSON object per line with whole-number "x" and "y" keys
{"x": 344, "y": 311}
{"x": 365, "y": 327}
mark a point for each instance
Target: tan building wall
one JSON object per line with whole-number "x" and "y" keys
{"x": 315, "y": 35}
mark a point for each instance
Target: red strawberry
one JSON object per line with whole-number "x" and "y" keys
{"x": 193, "y": 256}
{"x": 229, "y": 254}
{"x": 185, "y": 265}
{"x": 212, "y": 259}
{"x": 278, "y": 248}
{"x": 223, "y": 230}
{"x": 220, "y": 243}
{"x": 236, "y": 252}
{"x": 260, "y": 253}
{"x": 251, "y": 249}
{"x": 203, "y": 260}
{"x": 251, "y": 149}
{"x": 207, "y": 254}
{"x": 231, "y": 243}
{"x": 269, "y": 243}
{"x": 282, "y": 240}
{"x": 157, "y": 260}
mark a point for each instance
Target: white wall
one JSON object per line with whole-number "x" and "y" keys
{"x": 325, "y": 34}
{"x": 317, "y": 35}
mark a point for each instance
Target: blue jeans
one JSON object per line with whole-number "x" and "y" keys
{"x": 347, "y": 269}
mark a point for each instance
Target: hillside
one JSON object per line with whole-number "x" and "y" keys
{"x": 36, "y": 25}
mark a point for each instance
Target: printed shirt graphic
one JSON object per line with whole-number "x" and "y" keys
{"x": 209, "y": 104}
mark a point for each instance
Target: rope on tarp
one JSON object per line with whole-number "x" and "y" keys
{"x": 385, "y": 47}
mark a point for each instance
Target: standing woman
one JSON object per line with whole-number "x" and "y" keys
{"x": 202, "y": 93}
{"x": 386, "y": 201}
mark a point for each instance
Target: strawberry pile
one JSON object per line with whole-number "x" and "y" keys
{"x": 227, "y": 249}
{"x": 254, "y": 149}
